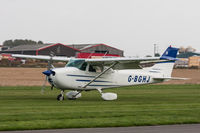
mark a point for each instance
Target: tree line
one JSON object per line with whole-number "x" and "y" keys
{"x": 17, "y": 42}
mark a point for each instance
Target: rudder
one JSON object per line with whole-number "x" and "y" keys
{"x": 166, "y": 67}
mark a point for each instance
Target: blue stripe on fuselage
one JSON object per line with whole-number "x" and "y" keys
{"x": 105, "y": 85}
{"x": 90, "y": 80}
{"x": 80, "y": 76}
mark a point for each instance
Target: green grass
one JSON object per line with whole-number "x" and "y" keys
{"x": 24, "y": 108}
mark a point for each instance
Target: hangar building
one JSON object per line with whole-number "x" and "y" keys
{"x": 78, "y": 50}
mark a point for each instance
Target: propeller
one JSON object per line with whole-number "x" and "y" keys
{"x": 50, "y": 62}
{"x": 48, "y": 72}
{"x": 44, "y": 85}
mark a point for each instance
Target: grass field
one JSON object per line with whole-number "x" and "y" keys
{"x": 25, "y": 108}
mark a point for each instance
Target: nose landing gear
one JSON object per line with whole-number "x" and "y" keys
{"x": 60, "y": 97}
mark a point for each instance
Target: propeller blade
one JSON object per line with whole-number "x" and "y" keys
{"x": 48, "y": 72}
{"x": 50, "y": 62}
{"x": 52, "y": 87}
{"x": 44, "y": 85}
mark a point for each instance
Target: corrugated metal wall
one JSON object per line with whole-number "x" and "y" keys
{"x": 103, "y": 48}
{"x": 58, "y": 50}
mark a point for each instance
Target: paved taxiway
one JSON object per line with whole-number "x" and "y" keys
{"x": 187, "y": 128}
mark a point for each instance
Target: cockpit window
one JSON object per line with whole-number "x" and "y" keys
{"x": 80, "y": 64}
{"x": 83, "y": 67}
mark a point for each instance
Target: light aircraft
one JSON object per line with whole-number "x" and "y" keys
{"x": 98, "y": 74}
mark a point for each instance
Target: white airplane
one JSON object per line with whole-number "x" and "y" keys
{"x": 99, "y": 74}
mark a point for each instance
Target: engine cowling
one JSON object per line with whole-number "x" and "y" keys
{"x": 73, "y": 95}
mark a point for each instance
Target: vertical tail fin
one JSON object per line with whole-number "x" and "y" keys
{"x": 170, "y": 54}
{"x": 166, "y": 67}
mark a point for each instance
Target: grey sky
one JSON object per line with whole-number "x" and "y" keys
{"x": 131, "y": 25}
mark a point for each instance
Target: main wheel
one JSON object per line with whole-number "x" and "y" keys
{"x": 60, "y": 97}
{"x": 73, "y": 95}
{"x": 72, "y": 98}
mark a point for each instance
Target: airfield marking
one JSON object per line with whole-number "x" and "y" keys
{"x": 185, "y": 128}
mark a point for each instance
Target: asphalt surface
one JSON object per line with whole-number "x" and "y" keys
{"x": 187, "y": 128}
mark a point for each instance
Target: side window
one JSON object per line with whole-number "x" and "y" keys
{"x": 91, "y": 69}
{"x": 83, "y": 67}
{"x": 98, "y": 68}
{"x": 95, "y": 68}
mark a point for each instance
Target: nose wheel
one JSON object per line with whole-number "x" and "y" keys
{"x": 60, "y": 97}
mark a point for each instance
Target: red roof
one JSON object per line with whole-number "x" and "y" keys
{"x": 57, "y": 44}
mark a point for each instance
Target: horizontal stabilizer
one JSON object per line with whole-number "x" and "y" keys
{"x": 170, "y": 78}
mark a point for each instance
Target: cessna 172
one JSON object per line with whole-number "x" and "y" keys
{"x": 99, "y": 74}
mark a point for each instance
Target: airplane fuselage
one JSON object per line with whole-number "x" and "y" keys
{"x": 74, "y": 79}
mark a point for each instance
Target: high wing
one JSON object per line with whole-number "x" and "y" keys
{"x": 42, "y": 57}
{"x": 134, "y": 63}
{"x": 121, "y": 62}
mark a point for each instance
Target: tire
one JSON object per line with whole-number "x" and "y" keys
{"x": 60, "y": 97}
{"x": 71, "y": 98}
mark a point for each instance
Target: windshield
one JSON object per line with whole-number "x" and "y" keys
{"x": 80, "y": 64}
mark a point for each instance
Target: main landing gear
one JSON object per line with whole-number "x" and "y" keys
{"x": 72, "y": 95}
{"x": 107, "y": 96}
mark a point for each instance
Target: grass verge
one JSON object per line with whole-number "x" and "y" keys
{"x": 24, "y": 108}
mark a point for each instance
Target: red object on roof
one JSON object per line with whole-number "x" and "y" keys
{"x": 89, "y": 55}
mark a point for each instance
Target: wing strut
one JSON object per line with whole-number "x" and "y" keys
{"x": 100, "y": 74}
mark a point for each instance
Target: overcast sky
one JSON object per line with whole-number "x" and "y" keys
{"x": 131, "y": 25}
